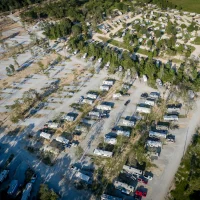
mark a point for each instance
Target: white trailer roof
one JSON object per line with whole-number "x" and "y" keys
{"x": 100, "y": 152}
{"x": 45, "y": 135}
{"x": 82, "y": 176}
{"x": 27, "y": 191}
{"x": 132, "y": 170}
{"x": 62, "y": 140}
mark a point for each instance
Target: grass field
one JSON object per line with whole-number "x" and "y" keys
{"x": 188, "y": 5}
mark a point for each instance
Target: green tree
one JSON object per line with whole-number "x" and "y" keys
{"x": 46, "y": 194}
{"x": 12, "y": 68}
{"x": 76, "y": 29}
{"x": 8, "y": 71}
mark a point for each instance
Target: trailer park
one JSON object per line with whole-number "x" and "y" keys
{"x": 89, "y": 133}
{"x": 104, "y": 123}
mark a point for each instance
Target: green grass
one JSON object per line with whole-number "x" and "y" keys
{"x": 188, "y": 5}
{"x": 143, "y": 51}
{"x": 197, "y": 41}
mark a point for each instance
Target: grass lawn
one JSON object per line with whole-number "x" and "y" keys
{"x": 197, "y": 41}
{"x": 188, "y": 5}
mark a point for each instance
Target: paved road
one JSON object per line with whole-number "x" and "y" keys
{"x": 171, "y": 155}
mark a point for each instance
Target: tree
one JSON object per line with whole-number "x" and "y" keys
{"x": 46, "y": 194}
{"x": 8, "y": 71}
{"x": 76, "y": 30}
{"x": 12, "y": 68}
{"x": 41, "y": 65}
{"x": 78, "y": 151}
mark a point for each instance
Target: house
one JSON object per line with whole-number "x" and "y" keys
{"x": 162, "y": 126}
{"x": 123, "y": 187}
{"x": 170, "y": 118}
{"x": 172, "y": 108}
{"x": 95, "y": 113}
{"x": 123, "y": 132}
{"x": 105, "y": 106}
{"x": 3, "y": 175}
{"x": 46, "y": 136}
{"x": 88, "y": 101}
{"x": 154, "y": 95}
{"x": 109, "y": 197}
{"x": 153, "y": 143}
{"x": 62, "y": 140}
{"x": 103, "y": 153}
{"x": 132, "y": 170}
{"x": 27, "y": 191}
{"x": 70, "y": 117}
{"x": 13, "y": 187}
{"x": 52, "y": 125}
{"x": 82, "y": 176}
{"x": 143, "y": 108}
{"x": 104, "y": 87}
{"x": 150, "y": 101}
{"x": 158, "y": 133}
{"x": 110, "y": 140}
{"x": 109, "y": 82}
{"x": 153, "y": 151}
{"x": 92, "y": 95}
{"x": 116, "y": 95}
{"x": 130, "y": 122}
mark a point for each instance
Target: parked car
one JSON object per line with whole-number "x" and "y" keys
{"x": 142, "y": 180}
{"x": 144, "y": 95}
{"x": 33, "y": 178}
{"x": 148, "y": 175}
{"x": 127, "y": 102}
{"x": 140, "y": 193}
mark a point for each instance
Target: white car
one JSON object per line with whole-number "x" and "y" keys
{"x": 85, "y": 55}
{"x": 159, "y": 82}
{"x": 75, "y": 52}
{"x": 100, "y": 60}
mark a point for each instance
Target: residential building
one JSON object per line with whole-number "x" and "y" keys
{"x": 27, "y": 191}
{"x": 153, "y": 143}
{"x": 109, "y": 197}
{"x": 46, "y": 136}
{"x": 132, "y": 170}
{"x": 123, "y": 132}
{"x": 62, "y": 140}
{"x": 158, "y": 133}
{"x": 82, "y": 176}
{"x": 3, "y": 175}
{"x": 13, "y": 187}
{"x": 143, "y": 108}
{"x": 103, "y": 153}
{"x": 104, "y": 87}
{"x": 170, "y": 118}
{"x": 109, "y": 82}
{"x": 92, "y": 95}
{"x": 125, "y": 188}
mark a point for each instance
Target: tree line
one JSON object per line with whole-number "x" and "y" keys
{"x": 76, "y": 10}
{"x": 186, "y": 76}
{"x": 7, "y": 5}
{"x": 164, "y": 4}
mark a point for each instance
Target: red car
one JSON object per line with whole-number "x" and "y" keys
{"x": 140, "y": 193}
{"x": 142, "y": 180}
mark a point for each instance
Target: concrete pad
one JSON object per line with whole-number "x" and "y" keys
{"x": 54, "y": 105}
{"x": 3, "y": 109}
{"x": 44, "y": 112}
